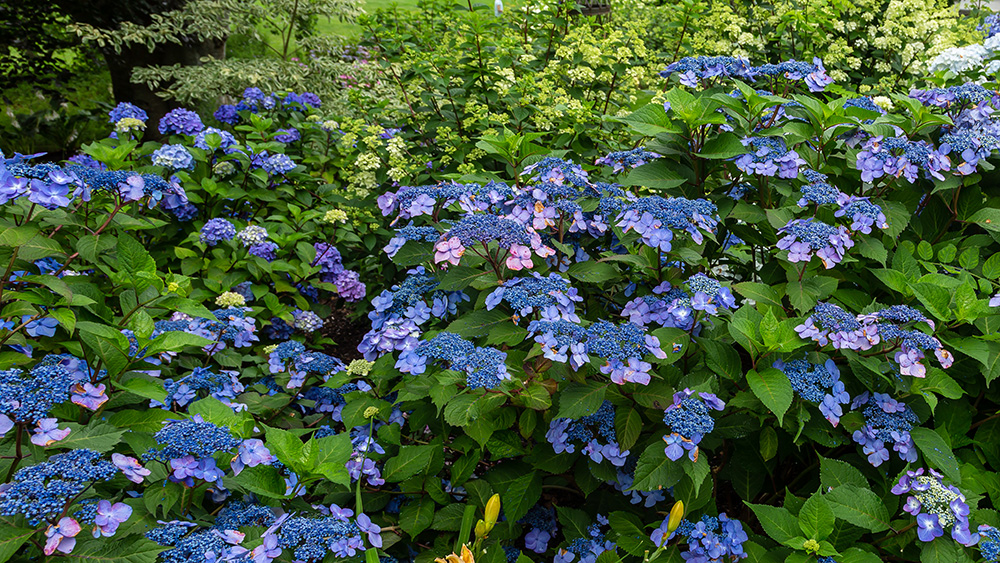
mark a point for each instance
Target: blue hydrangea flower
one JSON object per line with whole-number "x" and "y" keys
{"x": 804, "y": 238}
{"x": 769, "y": 156}
{"x": 126, "y": 110}
{"x": 818, "y": 384}
{"x": 620, "y": 160}
{"x": 936, "y": 506}
{"x": 181, "y": 121}
{"x": 688, "y": 420}
{"x": 710, "y": 540}
{"x": 41, "y": 492}
{"x": 216, "y": 231}
{"x": 886, "y": 421}
{"x": 595, "y": 431}
{"x": 654, "y": 218}
{"x": 899, "y": 156}
{"x": 175, "y": 157}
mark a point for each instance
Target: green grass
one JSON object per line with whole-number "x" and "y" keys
{"x": 352, "y": 30}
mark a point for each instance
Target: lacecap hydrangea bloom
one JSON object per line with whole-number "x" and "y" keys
{"x": 817, "y": 384}
{"x": 936, "y": 506}
{"x": 595, "y": 431}
{"x": 484, "y": 366}
{"x": 886, "y": 421}
{"x": 680, "y": 307}
{"x": 688, "y": 420}
{"x": 805, "y": 238}
{"x": 620, "y": 160}
{"x": 709, "y": 540}
{"x": 654, "y": 218}
{"x": 769, "y": 156}
{"x": 589, "y": 548}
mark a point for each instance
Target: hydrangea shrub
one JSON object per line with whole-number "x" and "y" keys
{"x": 761, "y": 327}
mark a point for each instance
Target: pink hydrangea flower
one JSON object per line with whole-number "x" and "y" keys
{"x": 520, "y": 257}
{"x": 450, "y": 251}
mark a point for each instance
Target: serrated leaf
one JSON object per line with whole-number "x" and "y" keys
{"x": 937, "y": 452}
{"x": 816, "y": 518}
{"x": 478, "y": 323}
{"x": 578, "y": 400}
{"x": 777, "y": 522}
{"x": 521, "y": 494}
{"x": 655, "y": 470}
{"x": 835, "y": 473}
{"x": 416, "y": 516}
{"x": 11, "y": 540}
{"x": 593, "y": 272}
{"x": 410, "y": 461}
{"x": 859, "y": 506}
{"x": 773, "y": 388}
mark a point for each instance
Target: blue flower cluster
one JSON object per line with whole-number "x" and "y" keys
{"x": 181, "y": 121}
{"x": 936, "y": 506}
{"x": 255, "y": 101}
{"x": 28, "y": 397}
{"x": 693, "y": 70}
{"x": 804, "y": 238}
{"x": 310, "y": 539}
{"x": 397, "y": 313}
{"x": 41, "y": 492}
{"x": 587, "y": 549}
{"x": 710, "y": 540}
{"x": 654, "y": 218}
{"x": 769, "y": 156}
{"x": 596, "y": 431}
{"x": 831, "y": 324}
{"x": 818, "y": 384}
{"x": 688, "y": 420}
{"x": 188, "y": 542}
{"x": 542, "y": 527}
{"x": 550, "y": 295}
{"x": 676, "y": 306}
{"x": 224, "y": 386}
{"x": 620, "y": 160}
{"x": 899, "y": 156}
{"x": 886, "y": 421}
{"x": 963, "y": 94}
{"x": 989, "y": 542}
{"x": 483, "y": 366}
{"x": 190, "y": 437}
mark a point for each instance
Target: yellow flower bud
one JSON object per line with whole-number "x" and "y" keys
{"x": 481, "y": 530}
{"x": 811, "y": 546}
{"x": 492, "y": 511}
{"x": 371, "y": 412}
{"x": 676, "y": 514}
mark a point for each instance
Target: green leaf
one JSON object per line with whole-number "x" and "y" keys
{"x": 147, "y": 388}
{"x": 768, "y": 443}
{"x": 175, "y": 341}
{"x": 773, "y": 388}
{"x": 579, "y": 400}
{"x": 131, "y": 550}
{"x": 416, "y": 516}
{"x": 458, "y": 278}
{"x": 478, "y": 323}
{"x": 991, "y": 267}
{"x": 659, "y": 174}
{"x": 133, "y": 256}
{"x": 816, "y": 518}
{"x": 777, "y": 522}
{"x": 835, "y": 473}
{"x": 858, "y": 555}
{"x": 102, "y": 438}
{"x": 859, "y": 506}
{"x": 628, "y": 426}
{"x": 987, "y": 218}
{"x": 264, "y": 480}
{"x": 150, "y": 420}
{"x": 944, "y": 552}
{"x": 288, "y": 448}
{"x": 11, "y": 540}
{"x": 593, "y": 272}
{"x": 934, "y": 297}
{"x": 631, "y": 536}
{"x": 726, "y": 145}
{"x": 759, "y": 292}
{"x": 520, "y": 495}
{"x": 655, "y": 470}
{"x": 410, "y": 461}
{"x": 722, "y": 358}
{"x": 937, "y": 452}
